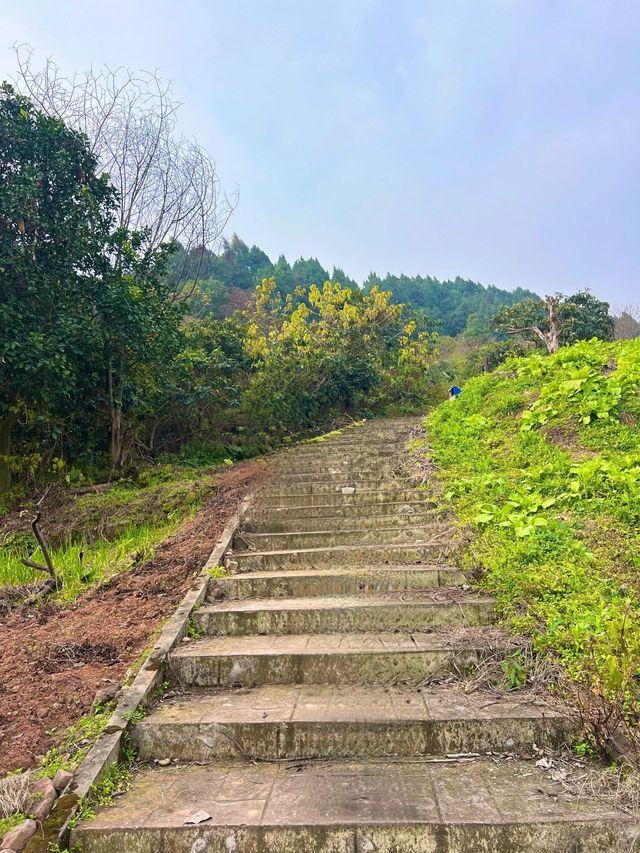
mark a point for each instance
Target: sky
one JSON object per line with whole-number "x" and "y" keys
{"x": 497, "y": 140}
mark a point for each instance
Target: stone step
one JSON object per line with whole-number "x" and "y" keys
{"x": 353, "y": 496}
{"x": 331, "y": 473}
{"x": 388, "y": 440}
{"x": 413, "y": 552}
{"x": 335, "y": 456}
{"x": 353, "y": 580}
{"x": 320, "y": 721}
{"x": 381, "y": 483}
{"x": 384, "y": 463}
{"x": 380, "y": 658}
{"x": 348, "y": 806}
{"x": 399, "y": 611}
{"x": 373, "y": 498}
{"x": 261, "y": 513}
{"x": 324, "y": 453}
{"x": 339, "y": 536}
{"x": 326, "y": 450}
{"x": 271, "y": 524}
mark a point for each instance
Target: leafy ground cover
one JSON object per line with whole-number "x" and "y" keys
{"x": 542, "y": 460}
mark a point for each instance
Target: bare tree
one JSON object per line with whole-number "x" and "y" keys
{"x": 168, "y": 186}
{"x": 627, "y": 321}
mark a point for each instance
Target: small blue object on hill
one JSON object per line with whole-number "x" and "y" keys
{"x": 454, "y": 391}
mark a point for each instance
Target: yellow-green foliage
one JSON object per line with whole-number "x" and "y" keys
{"x": 216, "y": 572}
{"x": 329, "y": 350}
{"x": 542, "y": 458}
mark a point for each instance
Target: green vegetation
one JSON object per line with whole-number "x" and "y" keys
{"x": 224, "y": 281}
{"x": 457, "y": 306}
{"x": 99, "y": 561}
{"x": 542, "y": 459}
{"x": 558, "y": 320}
{"x": 116, "y": 780}
{"x": 193, "y": 632}
{"x": 98, "y": 535}
{"x": 85, "y": 311}
{"x": 330, "y": 351}
{"x": 76, "y": 743}
{"x": 217, "y": 572}
{"x": 8, "y": 823}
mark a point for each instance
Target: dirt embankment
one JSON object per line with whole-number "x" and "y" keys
{"x": 53, "y": 659}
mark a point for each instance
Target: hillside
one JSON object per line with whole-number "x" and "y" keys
{"x": 542, "y": 460}
{"x": 456, "y": 305}
{"x": 226, "y": 281}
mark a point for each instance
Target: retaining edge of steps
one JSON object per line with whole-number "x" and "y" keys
{"x": 107, "y": 750}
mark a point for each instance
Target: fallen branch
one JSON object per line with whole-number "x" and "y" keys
{"x": 89, "y": 490}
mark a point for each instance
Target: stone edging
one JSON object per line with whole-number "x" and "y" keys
{"x": 139, "y": 695}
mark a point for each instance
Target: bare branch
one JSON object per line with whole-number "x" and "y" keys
{"x": 168, "y": 187}
{"x": 626, "y": 320}
{"x": 27, "y": 562}
{"x": 48, "y": 568}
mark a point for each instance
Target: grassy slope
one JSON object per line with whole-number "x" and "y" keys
{"x": 110, "y": 529}
{"x": 542, "y": 459}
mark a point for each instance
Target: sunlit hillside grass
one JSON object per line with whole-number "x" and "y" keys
{"x": 542, "y": 459}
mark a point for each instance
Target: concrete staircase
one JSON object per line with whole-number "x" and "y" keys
{"x": 312, "y": 714}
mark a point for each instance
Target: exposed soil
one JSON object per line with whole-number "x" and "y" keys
{"x": 54, "y": 658}
{"x": 565, "y": 436}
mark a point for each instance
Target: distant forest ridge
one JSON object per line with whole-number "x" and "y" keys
{"x": 226, "y": 280}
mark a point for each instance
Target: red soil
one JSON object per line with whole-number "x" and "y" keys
{"x": 54, "y": 658}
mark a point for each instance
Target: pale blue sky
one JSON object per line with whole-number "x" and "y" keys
{"x": 494, "y": 139}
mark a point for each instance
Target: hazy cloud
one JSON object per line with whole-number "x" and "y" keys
{"x": 496, "y": 139}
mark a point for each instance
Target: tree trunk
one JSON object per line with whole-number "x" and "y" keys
{"x": 6, "y": 425}
{"x": 553, "y": 335}
{"x": 116, "y": 392}
{"x": 115, "y": 444}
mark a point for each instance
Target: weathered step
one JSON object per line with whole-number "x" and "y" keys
{"x": 413, "y": 552}
{"x": 334, "y": 458}
{"x": 331, "y": 474}
{"x": 325, "y": 468}
{"x": 320, "y": 721}
{"x": 339, "y": 536}
{"x": 381, "y": 658}
{"x": 353, "y": 496}
{"x": 382, "y": 483}
{"x": 387, "y": 441}
{"x": 399, "y": 611}
{"x": 346, "y": 581}
{"x": 346, "y": 806}
{"x": 270, "y": 524}
{"x": 330, "y": 448}
{"x": 259, "y": 513}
